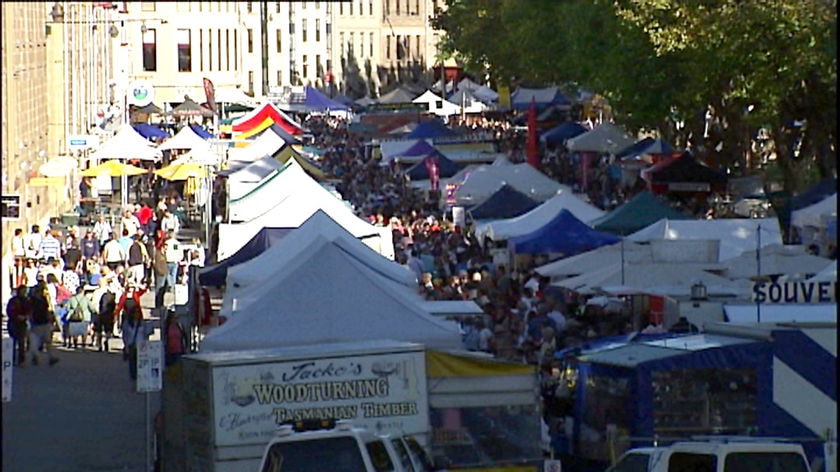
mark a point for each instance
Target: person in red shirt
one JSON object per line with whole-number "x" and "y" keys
{"x": 145, "y": 215}
{"x": 129, "y": 303}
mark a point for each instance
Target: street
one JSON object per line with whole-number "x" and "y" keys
{"x": 82, "y": 414}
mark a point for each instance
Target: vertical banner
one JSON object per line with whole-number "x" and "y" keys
{"x": 532, "y": 146}
{"x": 8, "y": 358}
{"x": 149, "y": 366}
{"x": 210, "y": 94}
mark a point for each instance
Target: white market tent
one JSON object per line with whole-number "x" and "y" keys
{"x": 201, "y": 154}
{"x": 266, "y": 144}
{"x": 604, "y": 138}
{"x": 233, "y": 95}
{"x": 302, "y": 197}
{"x": 242, "y": 277}
{"x": 736, "y": 235}
{"x": 468, "y": 102}
{"x": 479, "y": 183}
{"x": 775, "y": 259}
{"x": 700, "y": 253}
{"x": 127, "y": 143}
{"x": 185, "y": 138}
{"x": 325, "y": 295}
{"x": 815, "y": 215}
{"x": 244, "y": 177}
{"x": 437, "y": 105}
{"x": 828, "y": 274}
{"x": 501, "y": 230}
{"x": 661, "y": 278}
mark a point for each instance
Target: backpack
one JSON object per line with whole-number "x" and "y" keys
{"x": 76, "y": 315}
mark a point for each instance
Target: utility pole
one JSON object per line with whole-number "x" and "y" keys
{"x": 264, "y": 44}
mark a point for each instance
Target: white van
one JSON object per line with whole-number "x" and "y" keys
{"x": 318, "y": 445}
{"x": 717, "y": 455}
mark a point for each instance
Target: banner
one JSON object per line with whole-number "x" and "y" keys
{"x": 210, "y": 94}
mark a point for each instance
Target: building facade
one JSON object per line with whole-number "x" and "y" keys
{"x": 353, "y": 47}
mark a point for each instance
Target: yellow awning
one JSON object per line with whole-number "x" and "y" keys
{"x": 288, "y": 152}
{"x": 113, "y": 169}
{"x": 182, "y": 171}
{"x": 441, "y": 364}
{"x": 253, "y": 132}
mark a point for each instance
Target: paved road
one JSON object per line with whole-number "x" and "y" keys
{"x": 80, "y": 415}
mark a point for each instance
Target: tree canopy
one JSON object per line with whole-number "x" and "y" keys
{"x": 725, "y": 67}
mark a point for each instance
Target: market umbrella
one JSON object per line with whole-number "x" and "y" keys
{"x": 112, "y": 169}
{"x": 182, "y": 171}
{"x": 60, "y": 166}
{"x": 190, "y": 108}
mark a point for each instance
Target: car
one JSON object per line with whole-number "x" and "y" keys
{"x": 317, "y": 445}
{"x": 716, "y": 454}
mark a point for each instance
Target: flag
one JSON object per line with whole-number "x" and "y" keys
{"x": 210, "y": 94}
{"x": 432, "y": 163}
{"x": 532, "y": 148}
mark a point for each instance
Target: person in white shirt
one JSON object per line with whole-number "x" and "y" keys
{"x": 174, "y": 255}
{"x": 32, "y": 243}
{"x": 113, "y": 254}
{"x": 170, "y": 222}
{"x": 103, "y": 230}
{"x": 19, "y": 253}
{"x": 129, "y": 222}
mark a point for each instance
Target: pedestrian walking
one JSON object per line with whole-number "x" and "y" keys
{"x": 102, "y": 230}
{"x": 42, "y": 323}
{"x": 135, "y": 334}
{"x": 19, "y": 309}
{"x": 19, "y": 253}
{"x": 80, "y": 313}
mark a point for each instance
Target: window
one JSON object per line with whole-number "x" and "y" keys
{"x": 209, "y": 49}
{"x": 249, "y": 7}
{"x": 277, "y": 7}
{"x": 340, "y": 8}
{"x": 219, "y": 49}
{"x": 184, "y": 50}
{"x": 351, "y": 50}
{"x": 416, "y": 7}
{"x": 227, "y": 50}
{"x": 201, "y": 50}
{"x": 370, "y": 8}
{"x": 400, "y": 48}
{"x": 341, "y": 42}
{"x": 317, "y": 31}
{"x": 182, "y": 6}
{"x": 303, "y": 29}
{"x": 417, "y": 51}
{"x": 387, "y": 7}
{"x": 398, "y": 8}
{"x": 319, "y": 71}
{"x": 250, "y": 40}
{"x": 235, "y": 49}
{"x": 147, "y": 6}
{"x": 279, "y": 77}
{"x": 278, "y": 40}
{"x": 361, "y": 7}
{"x": 361, "y": 45}
{"x": 388, "y": 47}
{"x": 351, "y": 7}
{"x": 251, "y": 82}
{"x": 370, "y": 45}
{"x": 150, "y": 50}
{"x": 305, "y": 66}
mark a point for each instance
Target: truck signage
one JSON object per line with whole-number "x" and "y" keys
{"x": 385, "y": 393}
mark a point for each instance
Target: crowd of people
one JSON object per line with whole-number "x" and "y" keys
{"x": 84, "y": 288}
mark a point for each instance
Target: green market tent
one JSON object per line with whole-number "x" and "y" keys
{"x": 639, "y": 212}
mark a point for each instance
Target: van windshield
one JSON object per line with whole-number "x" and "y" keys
{"x": 336, "y": 454}
{"x": 379, "y": 456}
{"x": 765, "y": 462}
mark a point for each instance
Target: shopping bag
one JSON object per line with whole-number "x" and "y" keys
{"x": 77, "y": 328}
{"x": 181, "y": 294}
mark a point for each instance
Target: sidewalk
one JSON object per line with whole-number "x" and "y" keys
{"x": 82, "y": 414}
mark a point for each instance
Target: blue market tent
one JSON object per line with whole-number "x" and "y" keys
{"x": 562, "y": 132}
{"x": 639, "y": 212}
{"x": 646, "y": 146}
{"x": 150, "y": 131}
{"x": 564, "y": 234}
{"x": 673, "y": 385}
{"x": 216, "y": 275}
{"x": 317, "y": 101}
{"x": 431, "y": 129}
{"x": 507, "y": 202}
{"x": 446, "y": 167}
{"x": 203, "y": 133}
